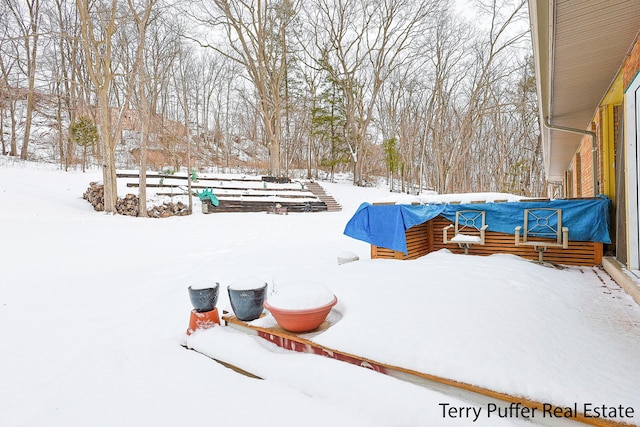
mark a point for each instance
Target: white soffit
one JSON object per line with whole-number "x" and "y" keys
{"x": 579, "y": 46}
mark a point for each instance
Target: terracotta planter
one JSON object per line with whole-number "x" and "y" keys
{"x": 204, "y": 320}
{"x": 246, "y": 298}
{"x": 204, "y": 299}
{"x": 304, "y": 320}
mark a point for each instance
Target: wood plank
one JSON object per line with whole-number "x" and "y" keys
{"x": 295, "y": 342}
{"x": 427, "y": 237}
{"x": 430, "y": 236}
{"x": 261, "y": 206}
{"x": 239, "y": 190}
{"x": 184, "y": 177}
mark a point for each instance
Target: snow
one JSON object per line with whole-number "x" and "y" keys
{"x": 247, "y": 283}
{"x": 204, "y": 284}
{"x": 431, "y": 197}
{"x": 465, "y": 238}
{"x": 94, "y": 310}
{"x": 300, "y": 295}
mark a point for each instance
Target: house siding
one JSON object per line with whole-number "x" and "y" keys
{"x": 581, "y": 170}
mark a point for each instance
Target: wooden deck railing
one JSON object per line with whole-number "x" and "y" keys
{"x": 427, "y": 237}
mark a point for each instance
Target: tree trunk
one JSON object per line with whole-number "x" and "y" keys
{"x": 4, "y": 148}
{"x": 14, "y": 124}
{"x": 142, "y": 22}
{"x": 109, "y": 178}
{"x": 32, "y": 51}
{"x": 102, "y": 76}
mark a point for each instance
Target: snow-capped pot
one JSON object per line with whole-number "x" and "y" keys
{"x": 204, "y": 297}
{"x": 300, "y": 306}
{"x": 299, "y": 294}
{"x": 304, "y": 320}
{"x": 246, "y": 296}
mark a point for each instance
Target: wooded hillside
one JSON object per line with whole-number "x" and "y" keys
{"x": 431, "y": 96}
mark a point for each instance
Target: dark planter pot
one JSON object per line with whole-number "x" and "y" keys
{"x": 247, "y": 304}
{"x": 204, "y": 299}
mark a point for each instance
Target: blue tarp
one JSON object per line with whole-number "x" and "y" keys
{"x": 385, "y": 225}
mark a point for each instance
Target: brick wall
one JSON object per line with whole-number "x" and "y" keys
{"x": 581, "y": 171}
{"x": 632, "y": 64}
{"x": 573, "y": 189}
{"x": 586, "y": 148}
{"x": 578, "y": 180}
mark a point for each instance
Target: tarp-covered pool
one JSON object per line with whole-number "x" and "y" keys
{"x": 385, "y": 225}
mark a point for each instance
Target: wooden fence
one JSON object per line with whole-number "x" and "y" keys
{"x": 427, "y": 237}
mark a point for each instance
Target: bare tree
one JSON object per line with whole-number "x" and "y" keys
{"x": 64, "y": 59}
{"x": 445, "y": 70}
{"x": 489, "y": 68}
{"x": 142, "y": 20}
{"x": 183, "y": 76}
{"x": 400, "y": 118}
{"x": 8, "y": 93}
{"x": 99, "y": 23}
{"x": 362, "y": 43}
{"x": 321, "y": 88}
{"x": 27, "y": 22}
{"x": 256, "y": 32}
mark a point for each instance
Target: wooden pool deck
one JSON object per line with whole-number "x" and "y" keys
{"x": 427, "y": 237}
{"x": 304, "y": 343}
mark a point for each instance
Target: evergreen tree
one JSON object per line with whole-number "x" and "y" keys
{"x": 328, "y": 121}
{"x": 84, "y": 132}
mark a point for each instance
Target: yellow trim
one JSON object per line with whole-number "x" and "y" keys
{"x": 614, "y": 97}
{"x": 608, "y": 152}
{"x": 615, "y": 94}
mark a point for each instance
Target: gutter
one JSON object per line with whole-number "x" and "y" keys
{"x": 594, "y": 149}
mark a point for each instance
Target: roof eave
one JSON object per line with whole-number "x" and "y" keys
{"x": 540, "y": 36}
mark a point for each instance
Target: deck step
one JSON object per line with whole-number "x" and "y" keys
{"x": 318, "y": 191}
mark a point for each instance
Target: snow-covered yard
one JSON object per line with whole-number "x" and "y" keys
{"x": 94, "y": 309}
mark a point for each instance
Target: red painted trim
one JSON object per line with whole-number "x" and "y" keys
{"x": 306, "y": 347}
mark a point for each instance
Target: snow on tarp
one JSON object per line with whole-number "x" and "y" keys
{"x": 385, "y": 225}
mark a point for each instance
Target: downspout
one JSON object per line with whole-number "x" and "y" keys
{"x": 594, "y": 149}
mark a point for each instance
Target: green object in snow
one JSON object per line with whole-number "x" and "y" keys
{"x": 194, "y": 175}
{"x": 207, "y": 193}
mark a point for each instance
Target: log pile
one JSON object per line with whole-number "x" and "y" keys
{"x": 129, "y": 205}
{"x": 168, "y": 209}
{"x": 95, "y": 196}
